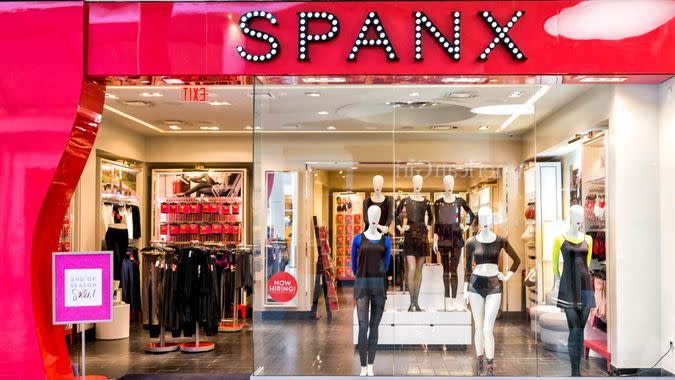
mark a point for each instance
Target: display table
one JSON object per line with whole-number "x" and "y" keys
{"x": 433, "y": 325}
{"x": 119, "y": 327}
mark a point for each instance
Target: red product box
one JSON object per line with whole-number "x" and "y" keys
{"x": 225, "y": 209}
{"x": 194, "y": 208}
{"x": 216, "y": 228}
{"x": 184, "y": 229}
{"x": 357, "y": 218}
{"x": 173, "y": 208}
{"x": 163, "y": 229}
{"x": 339, "y": 219}
{"x": 349, "y": 230}
{"x": 340, "y": 240}
{"x": 227, "y": 228}
{"x": 341, "y": 251}
{"x": 181, "y": 208}
{"x": 174, "y": 229}
{"x": 204, "y": 229}
{"x": 348, "y": 240}
{"x": 349, "y": 219}
{"x": 235, "y": 208}
{"x": 194, "y": 229}
{"x": 235, "y": 229}
{"x": 357, "y": 229}
{"x": 340, "y": 230}
{"x": 164, "y": 208}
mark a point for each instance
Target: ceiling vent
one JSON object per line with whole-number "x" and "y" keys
{"x": 460, "y": 95}
{"x": 173, "y": 122}
{"x": 290, "y": 127}
{"x": 261, "y": 95}
{"x": 444, "y": 127}
{"x": 136, "y": 103}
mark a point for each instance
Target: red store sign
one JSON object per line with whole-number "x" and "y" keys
{"x": 282, "y": 287}
{"x": 409, "y": 37}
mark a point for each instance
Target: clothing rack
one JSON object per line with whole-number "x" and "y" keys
{"x": 159, "y": 248}
{"x": 232, "y": 324}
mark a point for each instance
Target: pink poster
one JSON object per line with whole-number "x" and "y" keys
{"x": 81, "y": 287}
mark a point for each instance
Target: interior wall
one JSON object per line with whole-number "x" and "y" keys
{"x": 203, "y": 148}
{"x": 634, "y": 242}
{"x": 667, "y": 210}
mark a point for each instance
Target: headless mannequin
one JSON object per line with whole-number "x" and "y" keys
{"x": 450, "y": 278}
{"x": 413, "y": 263}
{"x": 378, "y": 197}
{"x": 370, "y": 326}
{"x": 576, "y": 316}
{"x": 484, "y": 310}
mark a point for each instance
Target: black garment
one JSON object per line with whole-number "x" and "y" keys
{"x": 152, "y": 290}
{"x": 416, "y": 238}
{"x": 576, "y": 321}
{"x": 368, "y": 339}
{"x": 450, "y": 258}
{"x": 447, "y": 217}
{"x": 488, "y": 253}
{"x": 386, "y": 208}
{"x": 136, "y": 221}
{"x": 131, "y": 281}
{"x": 371, "y": 268}
{"x": 485, "y": 285}
{"x": 576, "y": 283}
{"x": 197, "y": 289}
{"x": 117, "y": 241}
{"x": 169, "y": 312}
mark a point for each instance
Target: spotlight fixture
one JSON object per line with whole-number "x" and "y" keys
{"x": 484, "y": 127}
{"x": 248, "y": 128}
{"x": 220, "y": 103}
{"x": 414, "y": 94}
{"x": 516, "y": 94}
{"x": 323, "y": 112}
{"x": 175, "y": 127}
{"x": 313, "y": 94}
{"x": 208, "y": 128}
{"x": 330, "y": 128}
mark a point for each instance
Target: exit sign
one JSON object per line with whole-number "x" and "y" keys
{"x": 195, "y": 94}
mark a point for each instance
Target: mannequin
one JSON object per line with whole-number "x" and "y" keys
{"x": 575, "y": 295}
{"x": 484, "y": 288}
{"x": 371, "y": 251}
{"x": 117, "y": 239}
{"x": 416, "y": 237}
{"x": 449, "y": 238}
{"x": 384, "y": 203}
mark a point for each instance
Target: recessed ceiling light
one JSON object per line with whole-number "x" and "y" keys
{"x": 207, "y": 128}
{"x": 316, "y": 174}
{"x": 414, "y": 94}
{"x": 175, "y": 127}
{"x": 504, "y": 109}
{"x": 603, "y": 79}
{"x": 151, "y": 94}
{"x": 340, "y": 172}
{"x": 464, "y": 80}
{"x": 323, "y": 112}
{"x": 313, "y": 94}
{"x": 331, "y": 128}
{"x": 516, "y": 94}
{"x": 172, "y": 81}
{"x": 494, "y": 80}
{"x": 248, "y": 128}
{"x": 344, "y": 177}
{"x": 173, "y": 122}
{"x": 110, "y": 96}
{"x": 220, "y": 103}
{"x": 354, "y": 167}
{"x": 440, "y": 127}
{"x": 257, "y": 128}
{"x": 324, "y": 80}
{"x": 484, "y": 127}
{"x": 145, "y": 81}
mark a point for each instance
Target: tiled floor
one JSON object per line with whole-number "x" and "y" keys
{"x": 309, "y": 347}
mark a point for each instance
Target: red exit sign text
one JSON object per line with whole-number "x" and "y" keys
{"x": 195, "y": 94}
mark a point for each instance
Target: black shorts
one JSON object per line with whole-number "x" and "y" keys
{"x": 485, "y": 285}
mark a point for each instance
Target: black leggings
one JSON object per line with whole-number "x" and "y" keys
{"x": 450, "y": 260}
{"x": 368, "y": 341}
{"x": 117, "y": 241}
{"x": 576, "y": 321}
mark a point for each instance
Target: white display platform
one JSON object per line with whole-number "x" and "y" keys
{"x": 433, "y": 325}
{"x": 119, "y": 327}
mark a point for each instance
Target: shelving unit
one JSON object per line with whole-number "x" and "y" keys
{"x": 347, "y": 223}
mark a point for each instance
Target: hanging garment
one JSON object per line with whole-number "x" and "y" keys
{"x": 131, "y": 280}
{"x": 136, "y": 221}
{"x": 117, "y": 241}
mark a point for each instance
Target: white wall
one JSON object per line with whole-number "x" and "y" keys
{"x": 633, "y": 196}
{"x": 205, "y": 148}
{"x": 667, "y": 179}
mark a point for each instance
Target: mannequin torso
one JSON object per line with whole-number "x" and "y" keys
{"x": 486, "y": 236}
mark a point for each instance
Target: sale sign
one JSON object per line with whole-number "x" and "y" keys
{"x": 81, "y": 287}
{"x": 282, "y": 287}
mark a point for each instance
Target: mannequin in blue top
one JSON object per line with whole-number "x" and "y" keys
{"x": 371, "y": 251}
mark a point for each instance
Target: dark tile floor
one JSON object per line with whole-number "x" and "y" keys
{"x": 309, "y": 347}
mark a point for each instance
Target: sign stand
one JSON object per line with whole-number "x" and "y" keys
{"x": 82, "y": 375}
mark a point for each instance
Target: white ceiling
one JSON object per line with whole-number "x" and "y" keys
{"x": 347, "y": 108}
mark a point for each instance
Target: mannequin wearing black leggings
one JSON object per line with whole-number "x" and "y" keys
{"x": 450, "y": 259}
{"x": 576, "y": 321}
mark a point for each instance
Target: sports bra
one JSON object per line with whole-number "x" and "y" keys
{"x": 488, "y": 253}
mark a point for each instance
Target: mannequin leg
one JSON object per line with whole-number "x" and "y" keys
{"x": 445, "y": 260}
{"x": 478, "y": 312}
{"x": 362, "y": 313}
{"x": 455, "y": 255}
{"x": 419, "y": 263}
{"x": 376, "y": 311}
{"x": 492, "y": 303}
{"x": 576, "y": 321}
{"x": 411, "y": 267}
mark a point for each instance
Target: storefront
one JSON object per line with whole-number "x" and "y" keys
{"x": 515, "y": 155}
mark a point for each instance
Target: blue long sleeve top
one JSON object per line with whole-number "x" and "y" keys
{"x": 356, "y": 243}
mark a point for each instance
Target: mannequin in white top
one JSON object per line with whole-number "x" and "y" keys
{"x": 485, "y": 309}
{"x": 414, "y": 263}
{"x": 378, "y": 197}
